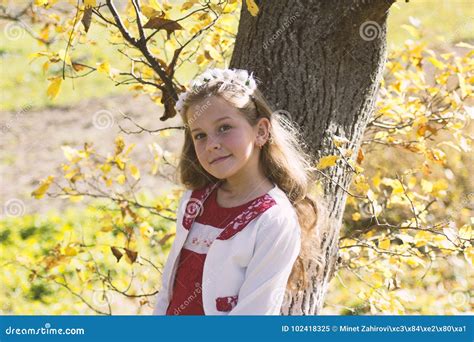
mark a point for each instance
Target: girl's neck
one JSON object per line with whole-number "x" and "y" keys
{"x": 234, "y": 192}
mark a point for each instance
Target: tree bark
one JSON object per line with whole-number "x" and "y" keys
{"x": 321, "y": 61}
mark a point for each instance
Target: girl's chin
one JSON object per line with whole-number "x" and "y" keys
{"x": 221, "y": 174}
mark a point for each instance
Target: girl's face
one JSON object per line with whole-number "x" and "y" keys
{"x": 224, "y": 141}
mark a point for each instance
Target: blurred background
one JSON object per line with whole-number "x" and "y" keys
{"x": 57, "y": 251}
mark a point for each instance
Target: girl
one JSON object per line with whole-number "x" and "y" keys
{"x": 239, "y": 224}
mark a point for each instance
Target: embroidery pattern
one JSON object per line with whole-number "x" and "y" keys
{"x": 258, "y": 206}
{"x": 255, "y": 208}
{"x": 226, "y": 304}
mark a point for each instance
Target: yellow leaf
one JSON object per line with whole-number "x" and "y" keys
{"x": 384, "y": 244}
{"x": 252, "y": 7}
{"x": 439, "y": 186}
{"x": 64, "y": 57}
{"x": 106, "y": 168}
{"x": 438, "y": 64}
{"x": 200, "y": 59}
{"x": 462, "y": 85}
{"x": 412, "y": 30}
{"x": 90, "y": 3}
{"x": 121, "y": 179}
{"x": 376, "y": 180}
{"x": 339, "y": 141}
{"x": 146, "y": 229}
{"x": 465, "y": 232}
{"x": 159, "y": 207}
{"x": 107, "y": 228}
{"x": 469, "y": 255}
{"x": 377, "y": 279}
{"x": 421, "y": 238}
{"x": 76, "y": 199}
{"x": 436, "y": 155}
{"x": 187, "y": 5}
{"x": 129, "y": 149}
{"x": 108, "y": 182}
{"x": 427, "y": 186}
{"x": 70, "y": 153}
{"x": 360, "y": 184}
{"x": 44, "y": 186}
{"x": 119, "y": 145}
{"x": 326, "y": 162}
{"x": 120, "y": 162}
{"x": 54, "y": 87}
{"x": 165, "y": 133}
{"x": 355, "y": 217}
{"x": 149, "y": 11}
{"x": 104, "y": 67}
{"x": 134, "y": 172}
{"x": 45, "y": 67}
{"x": 70, "y": 251}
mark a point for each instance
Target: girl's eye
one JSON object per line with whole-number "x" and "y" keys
{"x": 198, "y": 136}
{"x": 224, "y": 128}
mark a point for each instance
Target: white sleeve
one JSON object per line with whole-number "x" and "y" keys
{"x": 278, "y": 244}
{"x": 162, "y": 300}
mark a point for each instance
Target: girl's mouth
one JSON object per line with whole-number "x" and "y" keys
{"x": 218, "y": 160}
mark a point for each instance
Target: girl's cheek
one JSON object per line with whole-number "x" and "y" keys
{"x": 232, "y": 137}
{"x": 200, "y": 148}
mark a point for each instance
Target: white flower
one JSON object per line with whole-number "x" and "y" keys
{"x": 227, "y": 75}
{"x": 238, "y": 77}
{"x": 216, "y": 73}
{"x": 242, "y": 76}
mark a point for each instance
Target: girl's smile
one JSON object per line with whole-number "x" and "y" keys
{"x": 220, "y": 159}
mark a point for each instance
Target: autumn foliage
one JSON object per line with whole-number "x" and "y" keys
{"x": 407, "y": 217}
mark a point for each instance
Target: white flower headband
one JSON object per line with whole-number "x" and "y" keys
{"x": 238, "y": 77}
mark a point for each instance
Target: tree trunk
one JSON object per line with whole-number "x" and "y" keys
{"x": 321, "y": 61}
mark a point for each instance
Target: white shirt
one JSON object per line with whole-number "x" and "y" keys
{"x": 247, "y": 264}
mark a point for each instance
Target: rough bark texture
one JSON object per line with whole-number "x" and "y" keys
{"x": 321, "y": 61}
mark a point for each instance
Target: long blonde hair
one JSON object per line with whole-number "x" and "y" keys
{"x": 284, "y": 160}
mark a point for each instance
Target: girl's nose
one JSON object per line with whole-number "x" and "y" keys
{"x": 213, "y": 144}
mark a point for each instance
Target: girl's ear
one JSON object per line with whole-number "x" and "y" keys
{"x": 263, "y": 131}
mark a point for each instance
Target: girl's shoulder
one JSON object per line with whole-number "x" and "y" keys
{"x": 282, "y": 212}
{"x": 280, "y": 198}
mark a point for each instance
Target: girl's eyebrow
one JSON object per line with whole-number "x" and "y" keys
{"x": 220, "y": 119}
